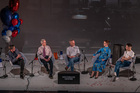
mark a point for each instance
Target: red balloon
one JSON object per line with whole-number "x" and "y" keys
{"x": 21, "y": 21}
{"x": 14, "y": 33}
{"x": 14, "y": 22}
{"x": 14, "y": 5}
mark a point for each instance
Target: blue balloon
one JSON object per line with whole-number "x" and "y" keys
{"x": 17, "y": 26}
{"x": 18, "y": 29}
{"x": 4, "y": 32}
{"x": 6, "y": 16}
{"x": 15, "y": 16}
{"x": 11, "y": 28}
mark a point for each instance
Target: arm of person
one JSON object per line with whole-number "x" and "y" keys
{"x": 127, "y": 58}
{"x": 122, "y": 59}
{"x": 99, "y": 51}
{"x": 68, "y": 53}
{"x": 11, "y": 58}
{"x": 109, "y": 54}
{"x": 78, "y": 52}
{"x": 18, "y": 54}
{"x": 50, "y": 54}
{"x": 39, "y": 53}
{"x": 71, "y": 56}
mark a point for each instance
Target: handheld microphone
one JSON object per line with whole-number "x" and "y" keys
{"x": 82, "y": 51}
{"x": 40, "y": 54}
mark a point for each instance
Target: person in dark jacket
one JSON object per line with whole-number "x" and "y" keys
{"x": 16, "y": 59}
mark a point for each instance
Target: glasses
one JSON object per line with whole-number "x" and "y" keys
{"x": 44, "y": 42}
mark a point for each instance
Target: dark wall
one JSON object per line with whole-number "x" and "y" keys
{"x": 52, "y": 20}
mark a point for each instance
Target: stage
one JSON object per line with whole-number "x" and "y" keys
{"x": 41, "y": 81}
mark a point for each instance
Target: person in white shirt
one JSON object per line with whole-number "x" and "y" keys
{"x": 45, "y": 54}
{"x": 125, "y": 60}
{"x": 73, "y": 54}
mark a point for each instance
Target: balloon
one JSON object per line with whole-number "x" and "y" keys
{"x": 14, "y": 5}
{"x": 9, "y": 33}
{"x": 7, "y": 39}
{"x": 14, "y": 22}
{"x": 14, "y": 33}
{"x": 18, "y": 29}
{"x": 11, "y": 28}
{"x": 6, "y": 16}
{"x": 15, "y": 16}
{"x": 17, "y": 26}
{"x": 21, "y": 21}
{"x": 4, "y": 32}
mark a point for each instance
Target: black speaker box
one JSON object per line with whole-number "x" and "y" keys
{"x": 118, "y": 51}
{"x": 68, "y": 77}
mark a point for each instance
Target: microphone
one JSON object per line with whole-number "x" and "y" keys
{"x": 82, "y": 50}
{"x": 31, "y": 62}
{"x": 40, "y": 54}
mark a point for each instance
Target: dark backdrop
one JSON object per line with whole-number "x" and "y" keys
{"x": 52, "y": 20}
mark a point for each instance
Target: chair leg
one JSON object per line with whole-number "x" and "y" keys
{"x": 128, "y": 74}
{"x": 12, "y": 75}
{"x": 79, "y": 67}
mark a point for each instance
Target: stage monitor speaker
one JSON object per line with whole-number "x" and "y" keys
{"x": 118, "y": 51}
{"x": 68, "y": 77}
{"x": 137, "y": 60}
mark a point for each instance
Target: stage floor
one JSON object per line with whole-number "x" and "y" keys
{"x": 41, "y": 81}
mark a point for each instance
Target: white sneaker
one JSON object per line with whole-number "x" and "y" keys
{"x": 117, "y": 78}
{"x": 115, "y": 74}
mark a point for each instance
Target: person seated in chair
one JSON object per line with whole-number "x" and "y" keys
{"x": 100, "y": 62}
{"x": 45, "y": 53}
{"x": 16, "y": 59}
{"x": 124, "y": 61}
{"x": 73, "y": 54}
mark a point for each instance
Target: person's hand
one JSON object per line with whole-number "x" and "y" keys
{"x": 71, "y": 56}
{"x": 93, "y": 56}
{"x": 122, "y": 60}
{"x": 47, "y": 59}
{"x": 18, "y": 56}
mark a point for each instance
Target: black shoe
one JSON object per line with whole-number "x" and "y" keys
{"x": 66, "y": 68}
{"x": 91, "y": 76}
{"x": 21, "y": 76}
{"x": 96, "y": 77}
{"x": 50, "y": 76}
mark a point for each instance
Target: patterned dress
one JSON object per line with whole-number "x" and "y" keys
{"x": 99, "y": 65}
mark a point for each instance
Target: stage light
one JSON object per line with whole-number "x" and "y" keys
{"x": 79, "y": 16}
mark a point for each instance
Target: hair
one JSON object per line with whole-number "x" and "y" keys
{"x": 11, "y": 47}
{"x": 71, "y": 40}
{"x": 42, "y": 40}
{"x": 129, "y": 44}
{"x": 107, "y": 41}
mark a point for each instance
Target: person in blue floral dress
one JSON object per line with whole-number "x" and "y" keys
{"x": 100, "y": 62}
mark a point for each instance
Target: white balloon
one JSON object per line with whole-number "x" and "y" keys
{"x": 7, "y": 39}
{"x": 9, "y": 33}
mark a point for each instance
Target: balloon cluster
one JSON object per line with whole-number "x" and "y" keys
{"x": 11, "y": 20}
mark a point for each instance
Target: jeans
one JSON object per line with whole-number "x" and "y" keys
{"x": 121, "y": 64}
{"x": 45, "y": 63}
{"x": 21, "y": 63}
{"x": 72, "y": 61}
